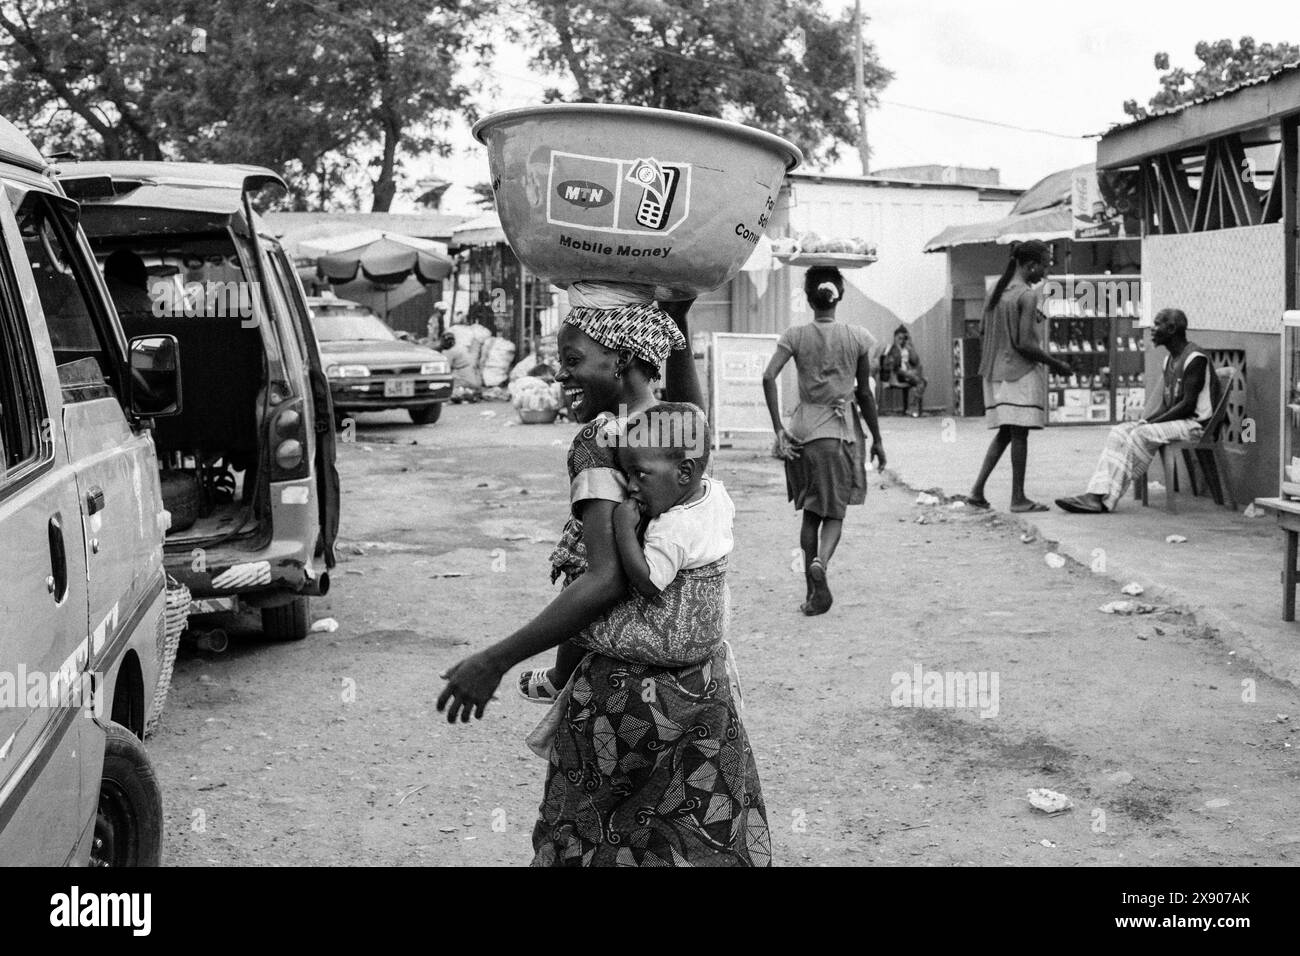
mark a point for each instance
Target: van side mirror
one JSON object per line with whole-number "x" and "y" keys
{"x": 155, "y": 365}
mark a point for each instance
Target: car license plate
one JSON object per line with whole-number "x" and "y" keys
{"x": 402, "y": 388}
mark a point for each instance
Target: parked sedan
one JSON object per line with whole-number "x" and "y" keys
{"x": 370, "y": 369}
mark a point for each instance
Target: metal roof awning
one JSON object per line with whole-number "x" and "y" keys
{"x": 1251, "y": 104}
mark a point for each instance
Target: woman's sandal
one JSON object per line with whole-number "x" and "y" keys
{"x": 1029, "y": 507}
{"x": 822, "y": 599}
{"x": 536, "y": 686}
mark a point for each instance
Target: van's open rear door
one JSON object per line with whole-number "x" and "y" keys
{"x": 327, "y": 473}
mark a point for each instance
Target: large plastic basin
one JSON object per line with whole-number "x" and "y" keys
{"x": 628, "y": 194}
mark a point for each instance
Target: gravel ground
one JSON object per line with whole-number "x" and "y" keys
{"x": 329, "y": 750}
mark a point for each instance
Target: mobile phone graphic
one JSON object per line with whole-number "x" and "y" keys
{"x": 659, "y": 184}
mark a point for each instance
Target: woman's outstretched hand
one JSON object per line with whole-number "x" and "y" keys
{"x": 471, "y": 683}
{"x": 785, "y": 447}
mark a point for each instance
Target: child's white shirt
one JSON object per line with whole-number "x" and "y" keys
{"x": 691, "y": 535}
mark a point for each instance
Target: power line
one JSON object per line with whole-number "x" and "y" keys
{"x": 986, "y": 122}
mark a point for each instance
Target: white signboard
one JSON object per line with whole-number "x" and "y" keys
{"x": 736, "y": 377}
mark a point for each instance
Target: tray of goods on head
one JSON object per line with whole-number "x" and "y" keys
{"x": 810, "y": 249}
{"x": 623, "y": 194}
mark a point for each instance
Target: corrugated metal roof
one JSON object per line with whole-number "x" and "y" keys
{"x": 1170, "y": 111}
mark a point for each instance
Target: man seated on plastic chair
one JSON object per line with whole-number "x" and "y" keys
{"x": 1186, "y": 404}
{"x": 901, "y": 368}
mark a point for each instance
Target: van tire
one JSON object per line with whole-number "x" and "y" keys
{"x": 426, "y": 415}
{"x": 288, "y": 622}
{"x": 129, "y": 817}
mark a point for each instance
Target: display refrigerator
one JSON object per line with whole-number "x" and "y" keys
{"x": 1095, "y": 326}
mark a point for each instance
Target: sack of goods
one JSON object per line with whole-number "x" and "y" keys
{"x": 498, "y": 353}
{"x": 471, "y": 338}
{"x": 534, "y": 394}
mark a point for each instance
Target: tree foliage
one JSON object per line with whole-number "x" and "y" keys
{"x": 333, "y": 93}
{"x": 782, "y": 65}
{"x": 1224, "y": 65}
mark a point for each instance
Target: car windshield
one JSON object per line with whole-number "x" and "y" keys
{"x": 350, "y": 327}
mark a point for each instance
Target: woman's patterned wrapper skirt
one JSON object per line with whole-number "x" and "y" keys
{"x": 651, "y": 767}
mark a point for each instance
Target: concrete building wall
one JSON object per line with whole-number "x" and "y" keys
{"x": 1231, "y": 284}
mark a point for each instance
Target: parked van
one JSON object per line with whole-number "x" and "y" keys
{"x": 248, "y": 470}
{"x": 81, "y": 533}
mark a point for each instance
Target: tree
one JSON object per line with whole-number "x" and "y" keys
{"x": 484, "y": 197}
{"x": 782, "y": 65}
{"x": 327, "y": 92}
{"x": 1223, "y": 66}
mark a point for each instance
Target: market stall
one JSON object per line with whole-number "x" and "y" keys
{"x": 1093, "y": 297}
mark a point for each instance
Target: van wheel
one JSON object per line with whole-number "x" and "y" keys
{"x": 426, "y": 415}
{"x": 129, "y": 821}
{"x": 288, "y": 622}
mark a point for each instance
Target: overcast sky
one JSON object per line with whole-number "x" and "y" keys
{"x": 1062, "y": 69}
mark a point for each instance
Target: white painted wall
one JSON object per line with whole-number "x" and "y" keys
{"x": 899, "y": 220}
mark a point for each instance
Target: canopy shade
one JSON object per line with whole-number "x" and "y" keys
{"x": 381, "y": 257}
{"x": 1043, "y": 213}
{"x": 484, "y": 230}
{"x": 1045, "y": 225}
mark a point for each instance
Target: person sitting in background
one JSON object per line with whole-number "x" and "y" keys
{"x": 1187, "y": 400}
{"x": 478, "y": 327}
{"x": 901, "y": 365}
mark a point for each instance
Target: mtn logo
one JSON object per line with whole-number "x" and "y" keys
{"x": 577, "y": 192}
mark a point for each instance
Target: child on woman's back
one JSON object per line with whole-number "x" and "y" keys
{"x": 673, "y": 534}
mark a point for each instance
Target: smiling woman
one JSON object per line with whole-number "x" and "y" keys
{"x": 612, "y": 800}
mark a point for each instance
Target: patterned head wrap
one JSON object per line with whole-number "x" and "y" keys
{"x": 644, "y": 329}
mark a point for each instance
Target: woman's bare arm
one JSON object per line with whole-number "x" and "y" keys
{"x": 867, "y": 404}
{"x": 472, "y": 681}
{"x": 681, "y": 380}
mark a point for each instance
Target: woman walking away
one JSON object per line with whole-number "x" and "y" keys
{"x": 1014, "y": 365}
{"x": 824, "y": 449}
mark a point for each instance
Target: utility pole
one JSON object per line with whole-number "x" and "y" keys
{"x": 860, "y": 86}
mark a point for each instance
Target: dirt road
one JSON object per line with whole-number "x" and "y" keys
{"x": 329, "y": 751}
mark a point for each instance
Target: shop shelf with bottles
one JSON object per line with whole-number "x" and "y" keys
{"x": 1099, "y": 336}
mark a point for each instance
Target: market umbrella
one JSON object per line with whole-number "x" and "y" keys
{"x": 384, "y": 258}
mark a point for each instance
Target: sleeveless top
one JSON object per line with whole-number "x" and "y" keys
{"x": 1173, "y": 382}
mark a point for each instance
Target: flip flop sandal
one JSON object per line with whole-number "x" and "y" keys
{"x": 1034, "y": 507}
{"x": 981, "y": 503}
{"x": 535, "y": 686}
{"x": 822, "y": 599}
{"x": 1076, "y": 505}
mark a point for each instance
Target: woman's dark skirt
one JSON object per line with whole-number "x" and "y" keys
{"x": 827, "y": 477}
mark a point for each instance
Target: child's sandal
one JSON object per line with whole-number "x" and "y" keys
{"x": 536, "y": 686}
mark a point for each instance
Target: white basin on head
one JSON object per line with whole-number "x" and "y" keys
{"x": 628, "y": 194}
